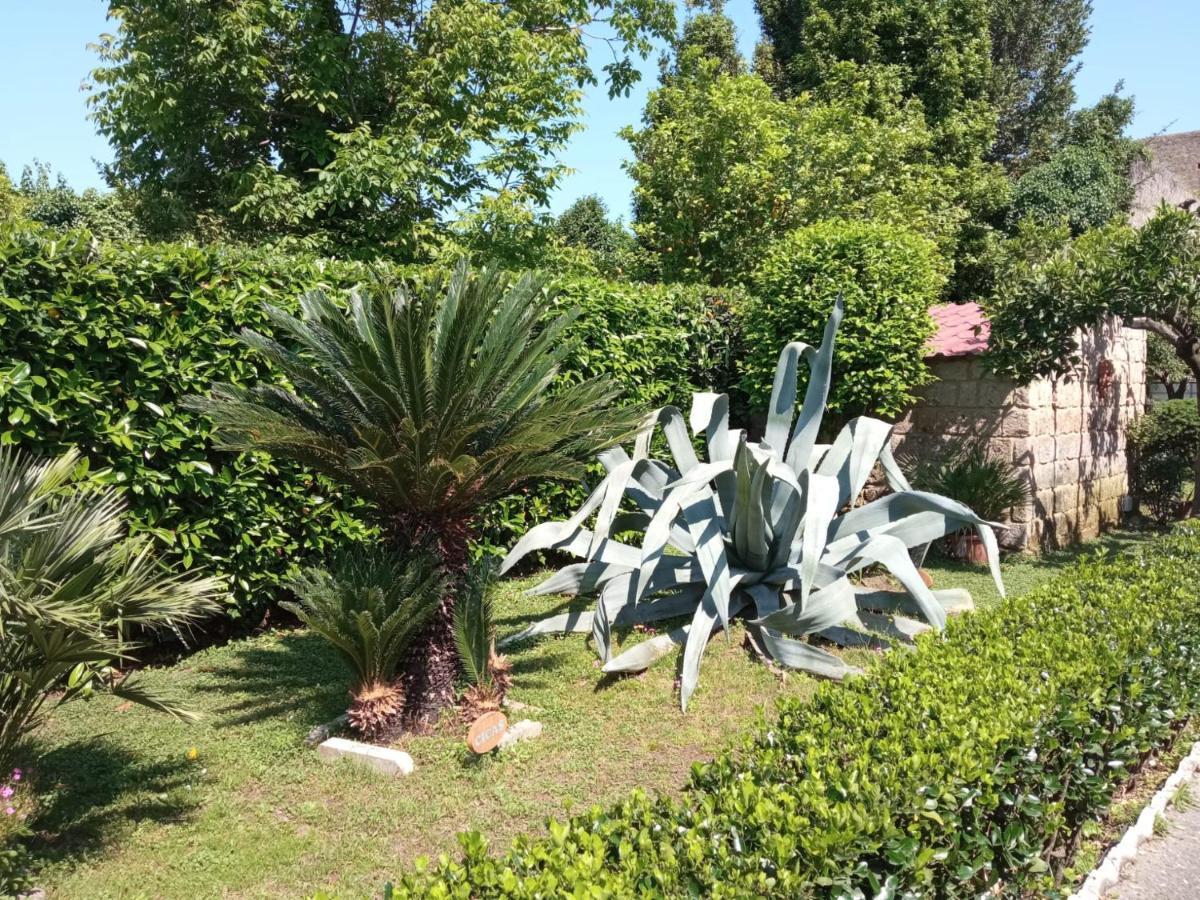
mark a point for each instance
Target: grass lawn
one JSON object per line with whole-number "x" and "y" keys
{"x": 127, "y": 813}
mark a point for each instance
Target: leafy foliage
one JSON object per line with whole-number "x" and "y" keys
{"x": 475, "y": 626}
{"x": 111, "y": 341}
{"x": 852, "y": 792}
{"x": 586, "y": 225}
{"x": 1082, "y": 186}
{"x": 108, "y": 216}
{"x": 723, "y": 168}
{"x": 75, "y": 595}
{"x": 1164, "y": 366}
{"x": 370, "y": 607}
{"x": 966, "y": 471}
{"x": 938, "y": 50}
{"x": 1163, "y": 446}
{"x": 348, "y": 125}
{"x": 887, "y": 276}
{"x": 151, "y": 324}
{"x": 759, "y": 525}
{"x": 1035, "y": 44}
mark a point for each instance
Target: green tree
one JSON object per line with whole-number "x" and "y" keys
{"x": 432, "y": 404}
{"x": 52, "y": 201}
{"x": 348, "y": 124}
{"x": 939, "y": 50}
{"x": 1150, "y": 277}
{"x": 1035, "y": 45}
{"x": 706, "y": 41}
{"x": 1085, "y": 182}
{"x": 1164, "y": 366}
{"x": 723, "y": 167}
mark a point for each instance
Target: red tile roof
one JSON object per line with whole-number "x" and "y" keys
{"x": 962, "y": 330}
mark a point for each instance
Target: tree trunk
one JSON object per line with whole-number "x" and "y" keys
{"x": 431, "y": 666}
{"x": 1194, "y": 365}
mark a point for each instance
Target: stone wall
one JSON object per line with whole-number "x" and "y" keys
{"x": 1065, "y": 437}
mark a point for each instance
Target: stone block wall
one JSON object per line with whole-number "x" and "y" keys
{"x": 1065, "y": 437}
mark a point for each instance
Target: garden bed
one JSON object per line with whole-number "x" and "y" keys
{"x": 256, "y": 812}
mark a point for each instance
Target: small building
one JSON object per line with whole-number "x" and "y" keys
{"x": 1170, "y": 173}
{"x": 1065, "y": 436}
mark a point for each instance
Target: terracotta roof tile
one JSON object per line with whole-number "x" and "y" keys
{"x": 962, "y": 330}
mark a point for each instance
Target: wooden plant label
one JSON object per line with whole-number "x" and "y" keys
{"x": 486, "y": 732}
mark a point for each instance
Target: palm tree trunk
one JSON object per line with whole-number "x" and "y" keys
{"x": 431, "y": 667}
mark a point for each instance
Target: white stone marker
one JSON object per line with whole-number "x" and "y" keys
{"x": 384, "y": 760}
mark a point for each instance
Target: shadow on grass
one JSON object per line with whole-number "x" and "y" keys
{"x": 299, "y": 673}
{"x": 92, "y": 794}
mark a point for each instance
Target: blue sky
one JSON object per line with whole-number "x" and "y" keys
{"x": 44, "y": 59}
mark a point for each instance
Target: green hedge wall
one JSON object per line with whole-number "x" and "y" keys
{"x": 98, "y": 344}
{"x": 954, "y": 771}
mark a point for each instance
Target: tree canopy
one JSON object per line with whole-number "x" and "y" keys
{"x": 723, "y": 167}
{"x": 349, "y": 124}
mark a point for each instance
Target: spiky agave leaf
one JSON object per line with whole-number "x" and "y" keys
{"x": 767, "y": 527}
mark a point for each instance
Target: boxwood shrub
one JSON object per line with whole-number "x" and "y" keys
{"x": 965, "y": 768}
{"x": 99, "y": 343}
{"x": 889, "y": 277}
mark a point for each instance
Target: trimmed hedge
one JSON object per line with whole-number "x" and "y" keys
{"x": 98, "y": 344}
{"x": 889, "y": 277}
{"x": 966, "y": 767}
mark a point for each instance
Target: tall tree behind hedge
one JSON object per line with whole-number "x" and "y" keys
{"x": 723, "y": 167}
{"x": 939, "y": 50}
{"x": 348, "y": 124}
{"x": 1035, "y": 45}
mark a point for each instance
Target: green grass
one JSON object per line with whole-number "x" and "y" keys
{"x": 126, "y": 813}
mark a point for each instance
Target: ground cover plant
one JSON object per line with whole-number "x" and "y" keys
{"x": 131, "y": 798}
{"x": 772, "y": 526}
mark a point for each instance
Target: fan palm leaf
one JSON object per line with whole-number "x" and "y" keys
{"x": 74, "y": 594}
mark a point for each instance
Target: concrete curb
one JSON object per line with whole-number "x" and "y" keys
{"x": 1108, "y": 873}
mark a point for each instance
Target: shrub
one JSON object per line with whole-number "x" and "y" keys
{"x": 1162, "y": 447}
{"x": 888, "y": 276}
{"x": 965, "y": 471}
{"x": 109, "y": 339}
{"x": 370, "y": 606}
{"x": 76, "y": 595}
{"x": 965, "y": 768}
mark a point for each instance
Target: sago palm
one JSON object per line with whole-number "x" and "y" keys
{"x": 431, "y": 402}
{"x": 75, "y": 593}
{"x": 370, "y": 607}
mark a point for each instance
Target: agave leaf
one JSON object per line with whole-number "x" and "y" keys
{"x": 601, "y": 630}
{"x": 851, "y": 637}
{"x": 891, "y": 553}
{"x": 821, "y": 496}
{"x": 678, "y": 440}
{"x": 805, "y": 657}
{"x": 783, "y": 397}
{"x": 899, "y": 627}
{"x": 808, "y": 423}
{"x": 710, "y": 415}
{"x": 852, "y": 455}
{"x": 705, "y": 525}
{"x": 703, "y": 622}
{"x": 831, "y": 605}
{"x": 953, "y": 600}
{"x": 642, "y": 656}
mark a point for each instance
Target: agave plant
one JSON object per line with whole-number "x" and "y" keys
{"x": 431, "y": 404}
{"x": 75, "y": 595}
{"x": 768, "y": 530}
{"x": 370, "y": 607}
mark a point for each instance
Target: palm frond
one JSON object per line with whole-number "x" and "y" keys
{"x": 434, "y": 401}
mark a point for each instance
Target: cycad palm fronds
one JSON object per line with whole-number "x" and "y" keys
{"x": 431, "y": 402}
{"x": 769, "y": 529}
{"x": 74, "y": 593}
{"x": 370, "y": 607}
